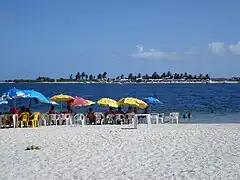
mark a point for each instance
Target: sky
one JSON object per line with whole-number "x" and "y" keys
{"x": 61, "y": 37}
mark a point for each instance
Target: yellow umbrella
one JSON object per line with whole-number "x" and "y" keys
{"x": 107, "y": 102}
{"x": 90, "y": 102}
{"x": 61, "y": 98}
{"x": 128, "y": 101}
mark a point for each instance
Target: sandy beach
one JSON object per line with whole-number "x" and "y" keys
{"x": 184, "y": 151}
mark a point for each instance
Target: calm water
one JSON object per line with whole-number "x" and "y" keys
{"x": 208, "y": 103}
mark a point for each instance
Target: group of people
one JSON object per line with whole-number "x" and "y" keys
{"x": 53, "y": 111}
{"x": 20, "y": 112}
{"x": 90, "y": 115}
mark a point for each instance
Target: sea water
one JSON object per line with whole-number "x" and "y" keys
{"x": 207, "y": 103}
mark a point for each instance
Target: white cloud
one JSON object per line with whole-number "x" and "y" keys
{"x": 217, "y": 48}
{"x": 154, "y": 54}
{"x": 235, "y": 48}
{"x": 192, "y": 51}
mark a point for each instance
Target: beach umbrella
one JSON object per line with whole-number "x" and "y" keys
{"x": 3, "y": 102}
{"x": 107, "y": 102}
{"x": 31, "y": 94}
{"x": 36, "y": 96}
{"x": 90, "y": 102}
{"x": 14, "y": 94}
{"x": 130, "y": 101}
{"x": 77, "y": 102}
{"x": 152, "y": 100}
{"x": 61, "y": 98}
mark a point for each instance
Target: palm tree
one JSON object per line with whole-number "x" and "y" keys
{"x": 130, "y": 76}
{"x": 86, "y": 76}
{"x": 122, "y": 76}
{"x": 207, "y": 76}
{"x": 155, "y": 75}
{"x": 77, "y": 77}
{"x": 104, "y": 75}
{"x": 146, "y": 76}
{"x": 83, "y": 75}
{"x": 190, "y": 77}
{"x": 181, "y": 76}
{"x": 163, "y": 75}
{"x": 169, "y": 74}
{"x": 99, "y": 76}
{"x": 139, "y": 75}
{"x": 71, "y": 77}
{"x": 90, "y": 77}
{"x": 200, "y": 76}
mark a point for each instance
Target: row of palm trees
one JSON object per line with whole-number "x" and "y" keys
{"x": 168, "y": 75}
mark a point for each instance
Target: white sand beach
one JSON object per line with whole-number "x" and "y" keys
{"x": 184, "y": 151}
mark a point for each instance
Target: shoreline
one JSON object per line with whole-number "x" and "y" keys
{"x": 121, "y": 83}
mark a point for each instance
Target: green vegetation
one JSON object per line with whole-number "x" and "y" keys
{"x": 166, "y": 76}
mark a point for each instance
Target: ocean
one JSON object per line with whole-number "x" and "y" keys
{"x": 207, "y": 103}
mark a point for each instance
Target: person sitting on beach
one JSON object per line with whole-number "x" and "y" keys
{"x": 129, "y": 110}
{"x": 21, "y": 110}
{"x": 146, "y": 110}
{"x": 13, "y": 110}
{"x": 28, "y": 110}
{"x": 135, "y": 110}
{"x": 110, "y": 111}
{"x": 119, "y": 111}
{"x": 90, "y": 116}
{"x": 69, "y": 110}
{"x": 51, "y": 110}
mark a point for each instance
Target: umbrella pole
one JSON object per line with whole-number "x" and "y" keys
{"x": 29, "y": 105}
{"x": 15, "y": 103}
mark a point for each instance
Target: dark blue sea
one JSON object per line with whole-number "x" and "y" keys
{"x": 208, "y": 103}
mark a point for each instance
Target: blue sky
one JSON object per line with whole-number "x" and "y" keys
{"x": 59, "y": 37}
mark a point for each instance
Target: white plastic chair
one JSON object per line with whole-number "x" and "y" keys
{"x": 174, "y": 117}
{"x": 161, "y": 118}
{"x": 15, "y": 120}
{"x": 44, "y": 119}
{"x": 110, "y": 118}
{"x": 67, "y": 118}
{"x": 154, "y": 118}
{"x": 79, "y": 118}
{"x": 99, "y": 117}
{"x": 129, "y": 118}
{"x": 119, "y": 118}
{"x": 55, "y": 118}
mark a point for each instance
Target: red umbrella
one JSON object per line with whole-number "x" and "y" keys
{"x": 78, "y": 101}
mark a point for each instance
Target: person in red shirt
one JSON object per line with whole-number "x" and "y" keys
{"x": 14, "y": 110}
{"x": 110, "y": 111}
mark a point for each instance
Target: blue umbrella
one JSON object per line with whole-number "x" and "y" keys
{"x": 15, "y": 93}
{"x": 31, "y": 94}
{"x": 3, "y": 102}
{"x": 152, "y": 100}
